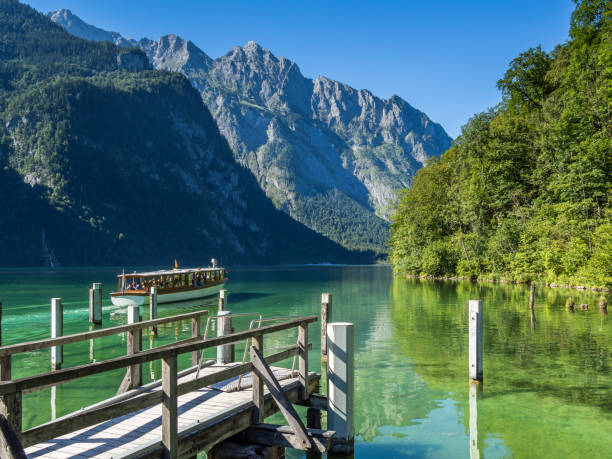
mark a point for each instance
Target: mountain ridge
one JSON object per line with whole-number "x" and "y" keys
{"x": 304, "y": 138}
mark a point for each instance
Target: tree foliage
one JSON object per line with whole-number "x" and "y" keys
{"x": 524, "y": 192}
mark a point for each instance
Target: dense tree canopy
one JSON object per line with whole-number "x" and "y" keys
{"x": 524, "y": 192}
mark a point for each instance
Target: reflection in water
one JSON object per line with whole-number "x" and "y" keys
{"x": 533, "y": 318}
{"x": 475, "y": 391}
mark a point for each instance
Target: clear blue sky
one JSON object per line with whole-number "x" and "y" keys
{"x": 443, "y": 57}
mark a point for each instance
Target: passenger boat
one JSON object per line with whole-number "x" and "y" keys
{"x": 172, "y": 285}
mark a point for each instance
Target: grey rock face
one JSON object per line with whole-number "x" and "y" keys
{"x": 304, "y": 138}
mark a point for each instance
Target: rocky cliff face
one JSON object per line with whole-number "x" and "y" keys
{"x": 306, "y": 140}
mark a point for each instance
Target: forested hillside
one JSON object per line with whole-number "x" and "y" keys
{"x": 106, "y": 161}
{"x": 524, "y": 192}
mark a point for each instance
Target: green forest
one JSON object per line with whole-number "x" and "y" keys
{"x": 524, "y": 192}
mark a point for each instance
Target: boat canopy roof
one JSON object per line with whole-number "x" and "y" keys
{"x": 169, "y": 272}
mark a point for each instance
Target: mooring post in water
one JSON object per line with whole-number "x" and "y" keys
{"x": 475, "y": 340}
{"x": 532, "y": 296}
{"x": 153, "y": 308}
{"x": 95, "y": 303}
{"x": 134, "y": 345}
{"x": 326, "y": 316}
{"x": 224, "y": 327}
{"x": 57, "y": 329}
{"x": 222, "y": 300}
{"x": 340, "y": 385}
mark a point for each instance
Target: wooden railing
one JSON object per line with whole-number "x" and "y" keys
{"x": 11, "y": 390}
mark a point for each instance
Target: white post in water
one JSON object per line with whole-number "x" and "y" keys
{"x": 153, "y": 308}
{"x": 475, "y": 340}
{"x": 475, "y": 390}
{"x": 134, "y": 345}
{"x": 95, "y": 303}
{"x": 222, "y": 300}
{"x": 57, "y": 329}
{"x": 340, "y": 385}
{"x": 224, "y": 327}
{"x": 326, "y": 315}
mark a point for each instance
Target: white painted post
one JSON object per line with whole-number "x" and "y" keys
{"x": 57, "y": 329}
{"x": 475, "y": 340}
{"x": 222, "y": 300}
{"x": 340, "y": 385}
{"x": 95, "y": 303}
{"x": 224, "y": 327}
{"x": 153, "y": 308}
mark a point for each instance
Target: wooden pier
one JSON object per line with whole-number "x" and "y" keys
{"x": 185, "y": 412}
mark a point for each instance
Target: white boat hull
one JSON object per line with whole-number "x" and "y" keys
{"x": 174, "y": 297}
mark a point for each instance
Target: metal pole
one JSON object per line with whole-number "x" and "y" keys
{"x": 475, "y": 340}
{"x": 57, "y": 329}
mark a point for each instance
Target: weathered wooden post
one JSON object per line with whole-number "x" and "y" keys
{"x": 603, "y": 305}
{"x": 224, "y": 327}
{"x": 169, "y": 407}
{"x": 196, "y": 332}
{"x": 532, "y": 296}
{"x": 475, "y": 340}
{"x": 10, "y": 407}
{"x": 340, "y": 385}
{"x": 0, "y": 323}
{"x": 326, "y": 316}
{"x": 134, "y": 345}
{"x": 258, "y": 384}
{"x": 303, "y": 360}
{"x": 153, "y": 308}
{"x": 222, "y": 300}
{"x": 95, "y": 303}
{"x": 57, "y": 329}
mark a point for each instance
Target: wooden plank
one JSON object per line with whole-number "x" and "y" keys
{"x": 315, "y": 401}
{"x": 169, "y": 408}
{"x": 303, "y": 358}
{"x": 89, "y": 369}
{"x": 257, "y": 384}
{"x": 92, "y": 334}
{"x": 10, "y": 446}
{"x": 261, "y": 368}
{"x": 277, "y": 435}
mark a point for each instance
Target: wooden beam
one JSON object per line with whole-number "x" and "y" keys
{"x": 315, "y": 401}
{"x": 76, "y": 337}
{"x": 169, "y": 408}
{"x": 326, "y": 315}
{"x": 261, "y": 369}
{"x": 258, "y": 385}
{"x": 89, "y": 369}
{"x": 277, "y": 435}
{"x": 10, "y": 446}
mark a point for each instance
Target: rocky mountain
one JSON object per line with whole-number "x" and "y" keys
{"x": 104, "y": 160}
{"x": 331, "y": 156}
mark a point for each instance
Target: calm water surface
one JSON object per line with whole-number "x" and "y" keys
{"x": 547, "y": 389}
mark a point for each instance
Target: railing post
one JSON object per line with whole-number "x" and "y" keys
{"x": 57, "y": 329}
{"x": 169, "y": 407}
{"x": 153, "y": 308}
{"x": 303, "y": 360}
{"x": 134, "y": 345}
{"x": 475, "y": 340}
{"x": 95, "y": 303}
{"x": 340, "y": 385}
{"x": 224, "y": 327}
{"x": 10, "y": 404}
{"x": 326, "y": 315}
{"x": 258, "y": 384}
{"x": 222, "y": 300}
{"x": 195, "y": 332}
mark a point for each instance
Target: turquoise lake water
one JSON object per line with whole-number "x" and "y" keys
{"x": 547, "y": 388}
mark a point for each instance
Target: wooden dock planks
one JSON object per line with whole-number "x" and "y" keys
{"x": 198, "y": 411}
